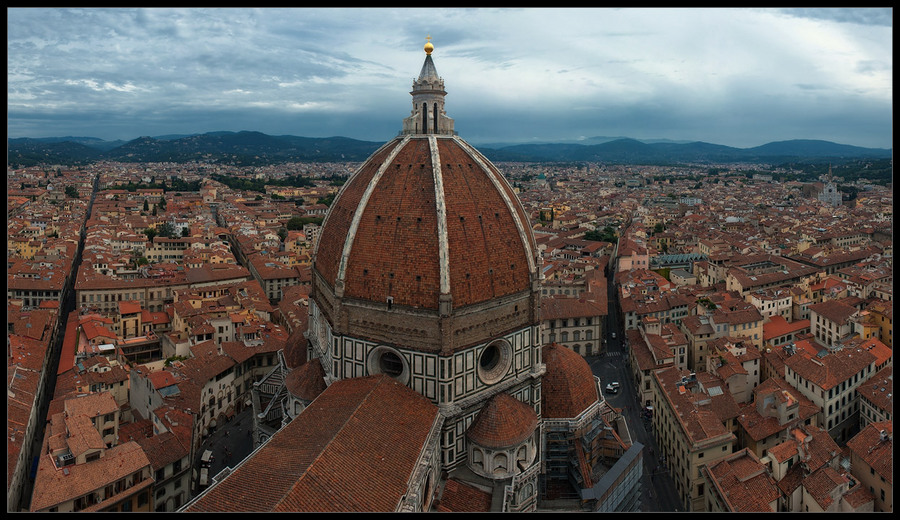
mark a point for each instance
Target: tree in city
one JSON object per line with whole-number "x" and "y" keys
{"x": 166, "y": 230}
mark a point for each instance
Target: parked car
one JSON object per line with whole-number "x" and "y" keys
{"x": 206, "y": 459}
{"x": 610, "y": 389}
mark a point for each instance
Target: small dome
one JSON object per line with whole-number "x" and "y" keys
{"x": 306, "y": 382}
{"x": 568, "y": 387}
{"x": 429, "y": 48}
{"x": 503, "y": 422}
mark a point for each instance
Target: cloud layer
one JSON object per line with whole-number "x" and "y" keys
{"x": 739, "y": 77}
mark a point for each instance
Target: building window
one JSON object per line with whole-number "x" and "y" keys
{"x": 494, "y": 361}
{"x": 386, "y": 360}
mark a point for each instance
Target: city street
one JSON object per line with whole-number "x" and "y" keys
{"x": 613, "y": 365}
{"x": 230, "y": 443}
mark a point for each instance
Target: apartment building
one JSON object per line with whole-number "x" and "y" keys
{"x": 776, "y": 408}
{"x": 871, "y": 461}
{"x": 799, "y": 463}
{"x": 737, "y": 362}
{"x": 777, "y": 331}
{"x": 730, "y": 318}
{"x": 665, "y": 307}
{"x": 762, "y": 272}
{"x": 832, "y": 321}
{"x": 830, "y": 380}
{"x": 694, "y": 423}
{"x": 876, "y": 398}
{"x": 772, "y": 302}
{"x": 82, "y": 467}
{"x": 170, "y": 451}
{"x": 27, "y": 374}
{"x": 272, "y": 275}
{"x": 739, "y": 483}
{"x": 575, "y": 323}
{"x": 651, "y": 347}
{"x": 103, "y": 294}
{"x": 881, "y": 312}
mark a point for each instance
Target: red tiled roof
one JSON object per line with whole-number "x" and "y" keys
{"x": 353, "y": 449}
{"x": 777, "y": 326}
{"x": 744, "y": 483}
{"x": 397, "y": 248}
{"x": 834, "y": 310}
{"x": 504, "y": 421}
{"x": 459, "y": 497}
{"x": 129, "y": 308}
{"x": 879, "y": 390}
{"x": 53, "y": 486}
{"x": 821, "y": 483}
{"x": 307, "y": 381}
{"x": 877, "y": 453}
{"x": 568, "y": 387}
{"x": 832, "y": 369}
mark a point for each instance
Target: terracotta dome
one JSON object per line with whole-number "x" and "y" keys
{"x": 503, "y": 422}
{"x": 306, "y": 382}
{"x": 426, "y": 246}
{"x": 426, "y": 217}
{"x": 568, "y": 387}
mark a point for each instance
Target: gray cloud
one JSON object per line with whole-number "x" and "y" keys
{"x": 739, "y": 77}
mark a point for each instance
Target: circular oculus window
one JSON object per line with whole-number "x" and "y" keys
{"x": 386, "y": 360}
{"x": 494, "y": 361}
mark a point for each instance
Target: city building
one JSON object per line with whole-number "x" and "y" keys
{"x": 694, "y": 420}
{"x": 776, "y": 409}
{"x": 83, "y": 467}
{"x": 871, "y": 458}
{"x": 739, "y": 483}
{"x": 830, "y": 379}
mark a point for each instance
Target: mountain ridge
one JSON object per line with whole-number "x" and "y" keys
{"x": 254, "y": 148}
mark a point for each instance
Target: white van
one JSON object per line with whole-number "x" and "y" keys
{"x": 206, "y": 458}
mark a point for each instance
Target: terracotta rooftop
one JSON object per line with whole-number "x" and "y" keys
{"x": 459, "y": 497}
{"x": 353, "y": 449}
{"x": 878, "y": 453}
{"x": 406, "y": 227}
{"x": 834, "y": 310}
{"x": 744, "y": 483}
{"x": 568, "y": 387}
{"x": 54, "y": 486}
{"x": 879, "y": 390}
{"x": 504, "y": 421}
{"x": 832, "y": 369}
{"x": 307, "y": 381}
{"x": 777, "y": 326}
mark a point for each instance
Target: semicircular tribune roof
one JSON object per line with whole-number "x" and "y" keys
{"x": 568, "y": 387}
{"x": 504, "y": 421}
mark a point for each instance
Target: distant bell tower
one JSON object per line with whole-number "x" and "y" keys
{"x": 428, "y": 115}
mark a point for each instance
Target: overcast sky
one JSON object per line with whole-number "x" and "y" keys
{"x": 738, "y": 77}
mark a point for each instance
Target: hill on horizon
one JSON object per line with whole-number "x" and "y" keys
{"x": 246, "y": 148}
